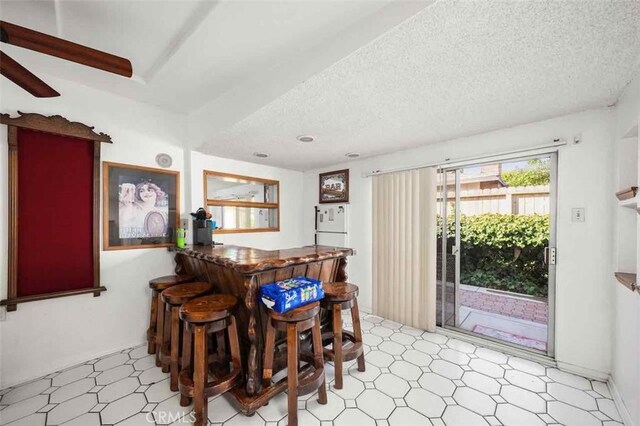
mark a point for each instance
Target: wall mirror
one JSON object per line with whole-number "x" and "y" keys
{"x": 242, "y": 203}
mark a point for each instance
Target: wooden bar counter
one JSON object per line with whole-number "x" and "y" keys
{"x": 241, "y": 271}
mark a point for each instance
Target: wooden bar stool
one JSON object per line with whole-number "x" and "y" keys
{"x": 173, "y": 298}
{"x": 298, "y": 382}
{"x": 202, "y": 316}
{"x": 339, "y": 296}
{"x": 156, "y": 320}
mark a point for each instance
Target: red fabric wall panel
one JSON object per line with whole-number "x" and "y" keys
{"x": 55, "y": 213}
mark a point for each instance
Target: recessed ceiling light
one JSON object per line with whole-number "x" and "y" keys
{"x": 306, "y": 138}
{"x": 261, "y": 154}
{"x": 352, "y": 155}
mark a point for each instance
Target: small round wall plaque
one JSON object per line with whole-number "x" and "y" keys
{"x": 164, "y": 160}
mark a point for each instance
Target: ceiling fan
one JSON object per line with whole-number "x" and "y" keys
{"x": 54, "y": 46}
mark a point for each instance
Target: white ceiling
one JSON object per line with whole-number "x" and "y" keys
{"x": 365, "y": 76}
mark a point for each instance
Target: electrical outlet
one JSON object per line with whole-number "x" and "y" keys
{"x": 184, "y": 224}
{"x": 577, "y": 215}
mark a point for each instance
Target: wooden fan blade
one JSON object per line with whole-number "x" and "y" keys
{"x": 54, "y": 46}
{"x": 24, "y": 78}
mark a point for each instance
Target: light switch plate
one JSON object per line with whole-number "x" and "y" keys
{"x": 577, "y": 214}
{"x": 184, "y": 224}
{"x": 3, "y": 313}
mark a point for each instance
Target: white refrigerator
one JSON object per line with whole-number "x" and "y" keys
{"x": 331, "y": 225}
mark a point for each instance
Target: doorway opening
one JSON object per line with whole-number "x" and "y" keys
{"x": 496, "y": 251}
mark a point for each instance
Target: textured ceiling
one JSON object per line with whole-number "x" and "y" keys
{"x": 454, "y": 69}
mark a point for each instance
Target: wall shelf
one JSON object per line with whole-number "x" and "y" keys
{"x": 628, "y": 280}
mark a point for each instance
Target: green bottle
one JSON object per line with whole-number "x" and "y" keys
{"x": 180, "y": 240}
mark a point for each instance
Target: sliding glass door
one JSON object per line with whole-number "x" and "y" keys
{"x": 496, "y": 250}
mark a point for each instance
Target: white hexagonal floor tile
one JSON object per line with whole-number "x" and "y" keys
{"x": 487, "y": 368}
{"x": 275, "y": 411}
{"x": 145, "y": 363}
{"x": 492, "y": 356}
{"x": 571, "y": 416}
{"x": 72, "y": 390}
{"x": 527, "y": 366}
{"x": 392, "y": 385}
{"x": 220, "y": 410}
{"x": 511, "y": 415}
{"x": 23, "y": 408}
{"x": 416, "y": 357}
{"x": 114, "y": 374}
{"x": 368, "y": 375}
{"x": 118, "y": 389}
{"x": 572, "y": 396}
{"x": 88, "y": 419}
{"x": 375, "y": 403}
{"x": 392, "y": 348}
{"x": 72, "y": 374}
{"x": 525, "y": 380}
{"x": 602, "y": 388}
{"x": 371, "y": 339}
{"x": 123, "y": 408}
{"x": 436, "y": 338}
{"x": 437, "y": 384}
{"x": 25, "y": 391}
{"x": 304, "y": 418}
{"x": 353, "y": 416}
{"x": 110, "y": 362}
{"x": 446, "y": 369}
{"x": 379, "y": 359}
{"x": 568, "y": 379}
{"x": 329, "y": 411}
{"x": 475, "y": 401}
{"x": 608, "y": 407}
{"x": 427, "y": 347}
{"x": 405, "y": 370}
{"x": 152, "y": 375}
{"x": 168, "y": 411}
{"x": 139, "y": 352}
{"x": 524, "y": 399}
{"x": 454, "y": 415}
{"x": 351, "y": 388}
{"x": 481, "y": 382}
{"x": 381, "y": 331}
{"x": 425, "y": 402}
{"x": 403, "y": 338}
{"x": 454, "y": 356}
{"x": 405, "y": 416}
{"x": 37, "y": 419}
{"x": 461, "y": 346}
{"x": 72, "y": 408}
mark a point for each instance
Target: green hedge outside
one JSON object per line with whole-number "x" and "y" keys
{"x": 503, "y": 251}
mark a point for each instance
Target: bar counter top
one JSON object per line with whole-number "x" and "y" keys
{"x": 249, "y": 260}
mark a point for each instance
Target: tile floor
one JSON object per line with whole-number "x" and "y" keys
{"x": 412, "y": 378}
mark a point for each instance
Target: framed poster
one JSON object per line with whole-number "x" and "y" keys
{"x": 334, "y": 187}
{"x": 140, "y": 206}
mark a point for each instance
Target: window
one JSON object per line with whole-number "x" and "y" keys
{"x": 242, "y": 203}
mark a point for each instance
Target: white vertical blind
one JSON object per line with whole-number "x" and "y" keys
{"x": 404, "y": 247}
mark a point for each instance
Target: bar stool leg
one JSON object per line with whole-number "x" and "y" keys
{"x": 186, "y": 360}
{"x": 292, "y": 373}
{"x": 159, "y": 331}
{"x": 318, "y": 358}
{"x": 200, "y": 376}
{"x": 153, "y": 320}
{"x": 337, "y": 344}
{"x": 267, "y": 371}
{"x": 357, "y": 331}
{"x": 166, "y": 338}
{"x": 175, "y": 348}
{"x": 234, "y": 343}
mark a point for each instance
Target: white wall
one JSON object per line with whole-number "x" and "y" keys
{"x": 584, "y": 311}
{"x": 625, "y": 370}
{"x": 45, "y": 336}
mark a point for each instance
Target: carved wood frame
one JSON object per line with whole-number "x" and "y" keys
{"x": 58, "y": 125}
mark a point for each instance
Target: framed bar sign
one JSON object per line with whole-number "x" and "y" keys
{"x": 140, "y": 206}
{"x": 334, "y": 187}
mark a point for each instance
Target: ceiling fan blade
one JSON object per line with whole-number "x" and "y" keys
{"x": 54, "y": 46}
{"x": 24, "y": 78}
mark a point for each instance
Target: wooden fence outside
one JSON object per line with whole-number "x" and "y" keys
{"x": 520, "y": 200}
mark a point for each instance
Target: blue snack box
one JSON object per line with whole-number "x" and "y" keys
{"x": 283, "y": 296}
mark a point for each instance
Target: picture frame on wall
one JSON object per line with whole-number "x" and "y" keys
{"x": 141, "y": 206}
{"x": 334, "y": 187}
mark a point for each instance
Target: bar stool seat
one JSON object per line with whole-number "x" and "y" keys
{"x": 203, "y": 316}
{"x": 310, "y": 379}
{"x": 346, "y": 345}
{"x": 157, "y": 285}
{"x": 173, "y": 297}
